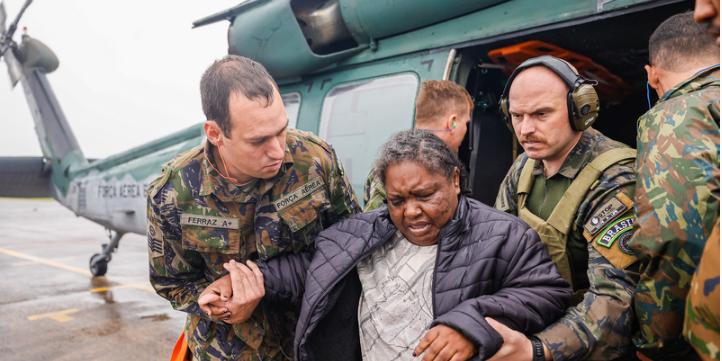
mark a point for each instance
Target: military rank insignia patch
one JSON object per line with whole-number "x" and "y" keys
{"x": 156, "y": 247}
{"x": 155, "y": 241}
{"x": 607, "y": 212}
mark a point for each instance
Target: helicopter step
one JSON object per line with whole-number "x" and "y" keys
{"x": 99, "y": 261}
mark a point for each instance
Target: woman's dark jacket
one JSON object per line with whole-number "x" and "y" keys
{"x": 488, "y": 263}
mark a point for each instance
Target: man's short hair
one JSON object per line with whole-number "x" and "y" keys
{"x": 437, "y": 96}
{"x": 229, "y": 75}
{"x": 679, "y": 43}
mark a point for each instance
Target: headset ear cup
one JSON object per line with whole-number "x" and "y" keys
{"x": 586, "y": 106}
{"x": 504, "y": 109}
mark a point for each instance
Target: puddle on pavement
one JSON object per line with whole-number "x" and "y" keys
{"x": 156, "y": 317}
{"x": 103, "y": 289}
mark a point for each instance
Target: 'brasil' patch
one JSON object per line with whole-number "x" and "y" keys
{"x": 615, "y": 230}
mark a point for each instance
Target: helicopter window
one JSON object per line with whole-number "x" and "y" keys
{"x": 292, "y": 103}
{"x": 358, "y": 117}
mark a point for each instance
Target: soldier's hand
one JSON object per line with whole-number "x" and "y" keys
{"x": 248, "y": 290}
{"x": 212, "y": 301}
{"x": 515, "y": 347}
{"x": 443, "y": 343}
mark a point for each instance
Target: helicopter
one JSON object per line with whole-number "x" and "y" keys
{"x": 349, "y": 71}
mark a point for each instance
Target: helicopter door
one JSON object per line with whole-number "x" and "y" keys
{"x": 363, "y": 106}
{"x": 292, "y": 103}
{"x": 488, "y": 149}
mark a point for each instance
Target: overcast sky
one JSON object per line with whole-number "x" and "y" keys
{"x": 129, "y": 70}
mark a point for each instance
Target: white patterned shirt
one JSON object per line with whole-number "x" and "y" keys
{"x": 395, "y": 306}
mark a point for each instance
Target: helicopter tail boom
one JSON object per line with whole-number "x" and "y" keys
{"x": 28, "y": 63}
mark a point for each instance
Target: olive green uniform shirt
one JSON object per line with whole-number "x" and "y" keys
{"x": 601, "y": 325}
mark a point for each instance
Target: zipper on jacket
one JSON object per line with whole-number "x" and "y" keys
{"x": 433, "y": 280}
{"x": 436, "y": 264}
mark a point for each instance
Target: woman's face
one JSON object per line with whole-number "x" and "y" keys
{"x": 420, "y": 202}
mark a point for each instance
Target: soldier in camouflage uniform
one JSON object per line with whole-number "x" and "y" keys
{"x": 442, "y": 107}
{"x": 677, "y": 194}
{"x": 574, "y": 186}
{"x": 253, "y": 190}
{"x": 702, "y": 315}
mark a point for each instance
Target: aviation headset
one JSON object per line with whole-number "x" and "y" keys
{"x": 582, "y": 99}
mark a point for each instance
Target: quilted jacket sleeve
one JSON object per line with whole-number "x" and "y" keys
{"x": 531, "y": 294}
{"x": 284, "y": 276}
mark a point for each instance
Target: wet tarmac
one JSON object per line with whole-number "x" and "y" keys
{"x": 50, "y": 306}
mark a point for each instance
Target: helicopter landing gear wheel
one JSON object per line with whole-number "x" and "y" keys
{"x": 99, "y": 261}
{"x": 98, "y": 265}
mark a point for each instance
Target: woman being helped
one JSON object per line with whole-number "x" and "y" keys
{"x": 419, "y": 278}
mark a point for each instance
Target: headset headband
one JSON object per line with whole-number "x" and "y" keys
{"x": 560, "y": 67}
{"x": 582, "y": 99}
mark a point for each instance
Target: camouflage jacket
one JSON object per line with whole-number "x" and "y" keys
{"x": 677, "y": 204}
{"x": 601, "y": 325}
{"x": 374, "y": 192}
{"x": 701, "y": 318}
{"x": 197, "y": 221}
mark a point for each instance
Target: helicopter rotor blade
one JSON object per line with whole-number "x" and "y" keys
{"x": 6, "y": 37}
{"x": 3, "y": 15}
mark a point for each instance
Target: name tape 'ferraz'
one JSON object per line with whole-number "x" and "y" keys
{"x": 298, "y": 194}
{"x": 189, "y": 219}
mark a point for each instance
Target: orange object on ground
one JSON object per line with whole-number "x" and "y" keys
{"x": 181, "y": 351}
{"x": 511, "y": 56}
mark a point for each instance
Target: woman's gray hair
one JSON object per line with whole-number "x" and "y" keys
{"x": 419, "y": 146}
